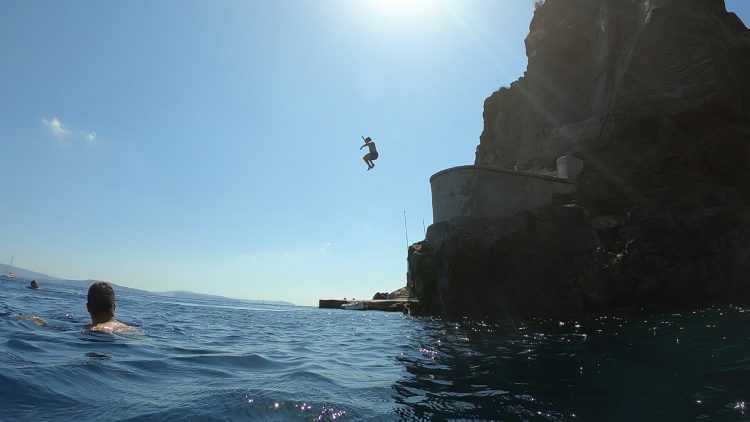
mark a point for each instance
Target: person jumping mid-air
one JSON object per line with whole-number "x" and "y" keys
{"x": 372, "y": 155}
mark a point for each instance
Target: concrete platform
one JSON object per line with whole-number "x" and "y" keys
{"x": 387, "y": 305}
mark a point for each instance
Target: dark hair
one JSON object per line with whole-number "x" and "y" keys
{"x": 101, "y": 298}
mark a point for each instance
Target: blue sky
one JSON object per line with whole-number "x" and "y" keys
{"x": 214, "y": 146}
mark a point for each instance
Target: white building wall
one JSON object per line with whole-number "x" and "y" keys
{"x": 478, "y": 191}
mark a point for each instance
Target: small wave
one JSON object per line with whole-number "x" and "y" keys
{"x": 252, "y": 361}
{"x": 97, "y": 355}
{"x": 23, "y": 346}
{"x": 230, "y": 405}
{"x": 33, "y": 319}
{"x": 21, "y": 397}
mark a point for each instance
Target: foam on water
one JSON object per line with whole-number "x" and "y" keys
{"x": 227, "y": 360}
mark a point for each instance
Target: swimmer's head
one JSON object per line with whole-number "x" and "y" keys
{"x": 101, "y": 300}
{"x": 34, "y": 284}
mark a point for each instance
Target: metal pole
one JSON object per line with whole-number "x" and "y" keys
{"x": 424, "y": 228}
{"x": 406, "y": 230}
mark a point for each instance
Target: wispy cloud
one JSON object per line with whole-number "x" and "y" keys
{"x": 60, "y": 131}
{"x": 56, "y": 127}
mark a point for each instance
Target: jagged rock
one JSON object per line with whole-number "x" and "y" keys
{"x": 503, "y": 266}
{"x": 654, "y": 96}
{"x": 592, "y": 58}
{"x": 402, "y": 293}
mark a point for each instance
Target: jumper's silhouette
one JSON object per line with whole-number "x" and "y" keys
{"x": 372, "y": 155}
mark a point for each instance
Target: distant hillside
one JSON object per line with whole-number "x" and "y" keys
{"x": 4, "y": 268}
{"x": 28, "y": 274}
{"x": 84, "y": 284}
{"x": 201, "y": 296}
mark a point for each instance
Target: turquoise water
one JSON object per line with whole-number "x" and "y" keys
{"x": 227, "y": 360}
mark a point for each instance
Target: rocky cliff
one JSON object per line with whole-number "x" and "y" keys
{"x": 654, "y": 96}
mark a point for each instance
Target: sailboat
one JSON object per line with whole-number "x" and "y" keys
{"x": 11, "y": 275}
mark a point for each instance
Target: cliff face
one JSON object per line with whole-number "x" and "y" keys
{"x": 588, "y": 59}
{"x": 654, "y": 96}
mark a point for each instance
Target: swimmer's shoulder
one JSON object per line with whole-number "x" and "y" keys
{"x": 112, "y": 327}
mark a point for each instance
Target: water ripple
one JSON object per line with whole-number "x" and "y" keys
{"x": 228, "y": 360}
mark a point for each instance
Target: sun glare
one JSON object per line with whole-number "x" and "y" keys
{"x": 404, "y": 7}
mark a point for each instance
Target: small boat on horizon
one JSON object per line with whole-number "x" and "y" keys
{"x": 10, "y": 275}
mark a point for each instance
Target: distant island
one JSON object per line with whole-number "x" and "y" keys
{"x": 184, "y": 294}
{"x": 202, "y": 296}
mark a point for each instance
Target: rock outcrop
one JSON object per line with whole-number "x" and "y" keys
{"x": 654, "y": 96}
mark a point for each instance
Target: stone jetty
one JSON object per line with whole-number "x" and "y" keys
{"x": 396, "y": 301}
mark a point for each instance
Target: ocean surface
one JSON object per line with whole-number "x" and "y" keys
{"x": 229, "y": 360}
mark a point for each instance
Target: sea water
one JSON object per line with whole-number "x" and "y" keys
{"x": 230, "y": 360}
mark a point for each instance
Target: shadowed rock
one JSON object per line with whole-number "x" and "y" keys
{"x": 654, "y": 97}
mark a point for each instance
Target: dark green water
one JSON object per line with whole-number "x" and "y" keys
{"x": 633, "y": 366}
